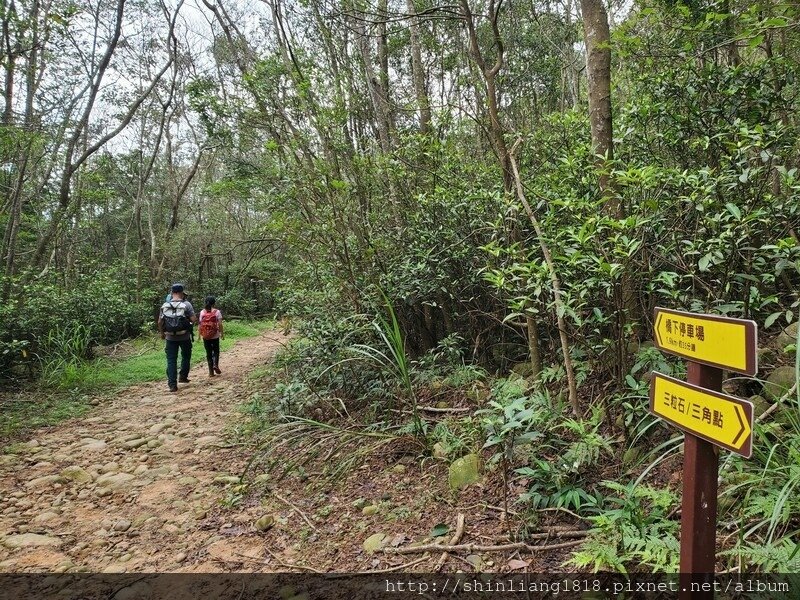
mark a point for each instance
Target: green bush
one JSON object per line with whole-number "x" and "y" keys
{"x": 55, "y": 324}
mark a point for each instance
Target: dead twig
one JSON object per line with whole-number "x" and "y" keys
{"x": 454, "y": 540}
{"x": 562, "y": 509}
{"x": 473, "y": 548}
{"x": 500, "y": 509}
{"x": 295, "y": 509}
{"x": 285, "y": 564}
{"x": 434, "y": 409}
{"x": 387, "y": 570}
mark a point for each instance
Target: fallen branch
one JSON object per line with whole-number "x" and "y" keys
{"x": 552, "y": 533}
{"x": 454, "y": 540}
{"x": 473, "y": 548}
{"x": 562, "y": 509}
{"x": 500, "y": 509}
{"x": 434, "y": 409}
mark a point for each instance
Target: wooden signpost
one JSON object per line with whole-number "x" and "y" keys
{"x": 709, "y": 418}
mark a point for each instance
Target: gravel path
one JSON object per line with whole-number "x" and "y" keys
{"x": 136, "y": 485}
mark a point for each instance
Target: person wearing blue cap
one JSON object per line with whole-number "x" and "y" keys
{"x": 175, "y": 322}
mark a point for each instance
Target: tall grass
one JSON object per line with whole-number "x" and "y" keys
{"x": 63, "y": 355}
{"x": 393, "y": 357}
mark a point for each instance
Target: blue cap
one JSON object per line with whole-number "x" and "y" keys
{"x": 177, "y": 287}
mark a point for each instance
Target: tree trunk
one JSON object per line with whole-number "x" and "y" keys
{"x": 496, "y": 131}
{"x": 10, "y": 62}
{"x": 375, "y": 89}
{"x": 418, "y": 70}
{"x": 598, "y": 72}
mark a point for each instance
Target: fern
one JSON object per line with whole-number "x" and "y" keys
{"x": 637, "y": 532}
{"x": 779, "y": 557}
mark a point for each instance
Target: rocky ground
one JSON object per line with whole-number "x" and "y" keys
{"x": 150, "y": 482}
{"x": 136, "y": 484}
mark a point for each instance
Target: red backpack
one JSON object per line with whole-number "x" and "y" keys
{"x": 209, "y": 324}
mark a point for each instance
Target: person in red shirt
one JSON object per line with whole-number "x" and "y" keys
{"x": 212, "y": 332}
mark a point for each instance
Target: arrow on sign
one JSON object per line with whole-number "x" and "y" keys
{"x": 742, "y": 424}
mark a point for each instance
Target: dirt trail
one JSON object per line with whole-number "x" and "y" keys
{"x": 132, "y": 486}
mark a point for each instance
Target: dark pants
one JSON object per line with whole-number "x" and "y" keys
{"x": 172, "y": 360}
{"x": 212, "y": 353}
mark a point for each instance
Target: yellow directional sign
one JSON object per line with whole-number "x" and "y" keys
{"x": 723, "y": 420}
{"x": 709, "y": 339}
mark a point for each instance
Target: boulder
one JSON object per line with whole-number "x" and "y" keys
{"x": 227, "y": 479}
{"x": 631, "y": 455}
{"x": 779, "y": 382}
{"x": 30, "y": 540}
{"x": 116, "y": 481}
{"x": 45, "y": 517}
{"x": 122, "y": 525}
{"x": 760, "y": 404}
{"x": 374, "y": 543}
{"x": 523, "y": 369}
{"x": 44, "y": 482}
{"x": 133, "y": 444}
{"x": 207, "y": 441}
{"x": 439, "y": 450}
{"x": 464, "y": 471}
{"x": 787, "y": 336}
{"x": 766, "y": 357}
{"x": 264, "y": 523}
{"x": 77, "y": 474}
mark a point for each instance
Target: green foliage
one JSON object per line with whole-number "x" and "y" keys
{"x": 632, "y": 531}
{"x": 60, "y": 324}
{"x": 147, "y": 363}
{"x": 759, "y": 497}
{"x": 457, "y": 437}
{"x": 559, "y": 468}
{"x": 63, "y": 354}
{"x": 510, "y": 421}
{"x": 23, "y": 414}
{"x": 237, "y": 302}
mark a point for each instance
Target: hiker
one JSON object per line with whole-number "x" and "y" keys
{"x": 175, "y": 325}
{"x": 211, "y": 331}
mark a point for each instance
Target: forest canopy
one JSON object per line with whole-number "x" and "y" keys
{"x": 308, "y": 157}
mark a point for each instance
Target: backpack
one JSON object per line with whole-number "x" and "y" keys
{"x": 176, "y": 321}
{"x": 209, "y": 324}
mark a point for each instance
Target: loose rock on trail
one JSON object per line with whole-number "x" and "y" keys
{"x": 129, "y": 487}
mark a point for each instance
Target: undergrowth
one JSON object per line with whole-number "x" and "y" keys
{"x": 326, "y": 406}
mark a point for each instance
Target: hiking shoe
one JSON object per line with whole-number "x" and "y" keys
{"x": 173, "y": 388}
{"x": 184, "y": 380}
{"x": 217, "y": 371}
{"x": 211, "y": 372}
